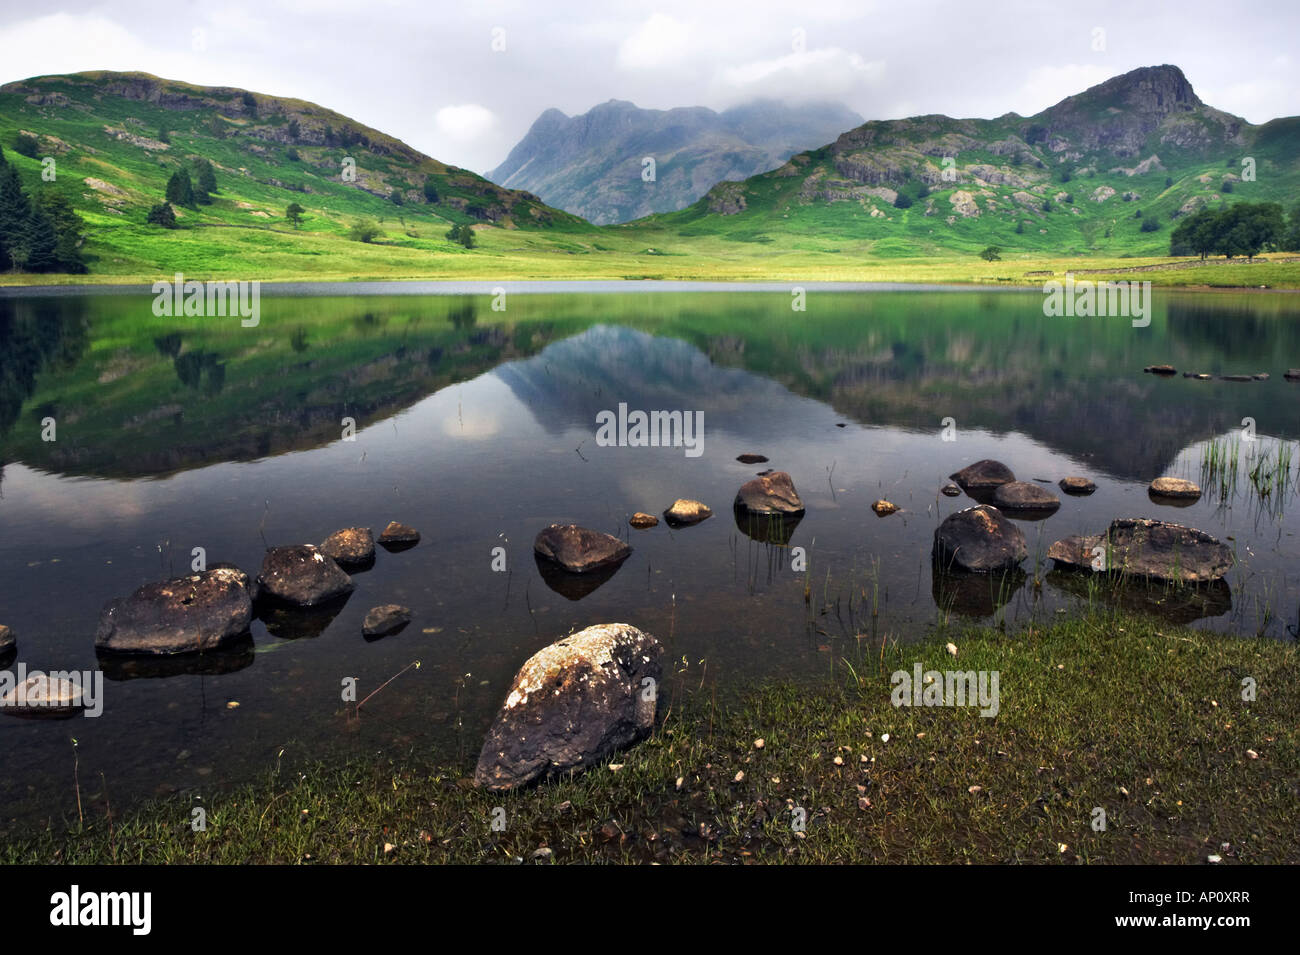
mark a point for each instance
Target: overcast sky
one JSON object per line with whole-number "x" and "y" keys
{"x": 428, "y": 72}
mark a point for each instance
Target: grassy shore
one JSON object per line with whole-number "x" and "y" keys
{"x": 1109, "y": 712}
{"x": 136, "y": 255}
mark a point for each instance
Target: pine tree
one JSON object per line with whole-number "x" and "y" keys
{"x": 68, "y": 230}
{"x": 207, "y": 177}
{"x": 15, "y": 216}
{"x": 180, "y": 191}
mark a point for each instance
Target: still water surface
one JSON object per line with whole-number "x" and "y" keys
{"x": 478, "y": 428}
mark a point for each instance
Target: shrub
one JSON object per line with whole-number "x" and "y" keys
{"x": 162, "y": 215}
{"x": 464, "y": 234}
{"x": 365, "y": 230}
{"x": 25, "y": 144}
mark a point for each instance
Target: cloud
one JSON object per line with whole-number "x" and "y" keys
{"x": 826, "y": 73}
{"x": 464, "y": 123}
{"x": 1048, "y": 85}
{"x": 660, "y": 43}
{"x": 68, "y": 43}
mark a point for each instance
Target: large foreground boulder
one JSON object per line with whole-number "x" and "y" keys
{"x": 580, "y": 550}
{"x": 572, "y": 704}
{"x": 770, "y": 493}
{"x": 1144, "y": 548}
{"x": 184, "y": 615}
{"x": 979, "y": 539}
{"x": 302, "y": 575}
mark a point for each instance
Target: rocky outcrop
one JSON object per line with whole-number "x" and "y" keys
{"x": 352, "y": 546}
{"x": 1077, "y": 485}
{"x": 770, "y": 493}
{"x": 1147, "y": 548}
{"x": 685, "y": 512}
{"x": 185, "y": 615}
{"x": 978, "y": 539}
{"x": 1174, "y": 489}
{"x": 42, "y": 695}
{"x": 1026, "y": 497}
{"x": 302, "y": 576}
{"x": 983, "y": 475}
{"x": 399, "y": 536}
{"x": 580, "y": 550}
{"x": 572, "y": 704}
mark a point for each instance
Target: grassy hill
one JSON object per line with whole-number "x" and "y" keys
{"x": 1079, "y": 178}
{"x": 116, "y": 138}
{"x": 833, "y": 213}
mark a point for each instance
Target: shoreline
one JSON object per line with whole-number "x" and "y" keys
{"x": 1105, "y": 711}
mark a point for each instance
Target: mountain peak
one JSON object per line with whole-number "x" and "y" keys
{"x": 1149, "y": 89}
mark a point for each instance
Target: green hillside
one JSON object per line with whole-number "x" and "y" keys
{"x": 1080, "y": 178}
{"x": 116, "y": 138}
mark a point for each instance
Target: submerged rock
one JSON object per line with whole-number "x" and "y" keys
{"x": 185, "y": 615}
{"x": 572, "y": 704}
{"x": 350, "y": 546}
{"x": 1174, "y": 489}
{"x": 1147, "y": 548}
{"x": 385, "y": 620}
{"x": 978, "y": 539}
{"x": 1292, "y": 374}
{"x": 884, "y": 508}
{"x": 770, "y": 493}
{"x": 748, "y": 458}
{"x": 580, "y": 550}
{"x": 1160, "y": 369}
{"x": 643, "y": 520}
{"x": 686, "y": 512}
{"x": 950, "y": 490}
{"x": 302, "y": 575}
{"x": 7, "y": 641}
{"x": 983, "y": 475}
{"x": 1077, "y": 485}
{"x": 1021, "y": 496}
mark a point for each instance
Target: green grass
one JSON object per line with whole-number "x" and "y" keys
{"x": 1106, "y": 711}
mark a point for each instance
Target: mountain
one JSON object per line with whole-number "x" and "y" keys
{"x": 116, "y": 139}
{"x": 1081, "y": 176}
{"x": 591, "y": 165}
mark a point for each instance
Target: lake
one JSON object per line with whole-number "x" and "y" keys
{"x": 478, "y": 427}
